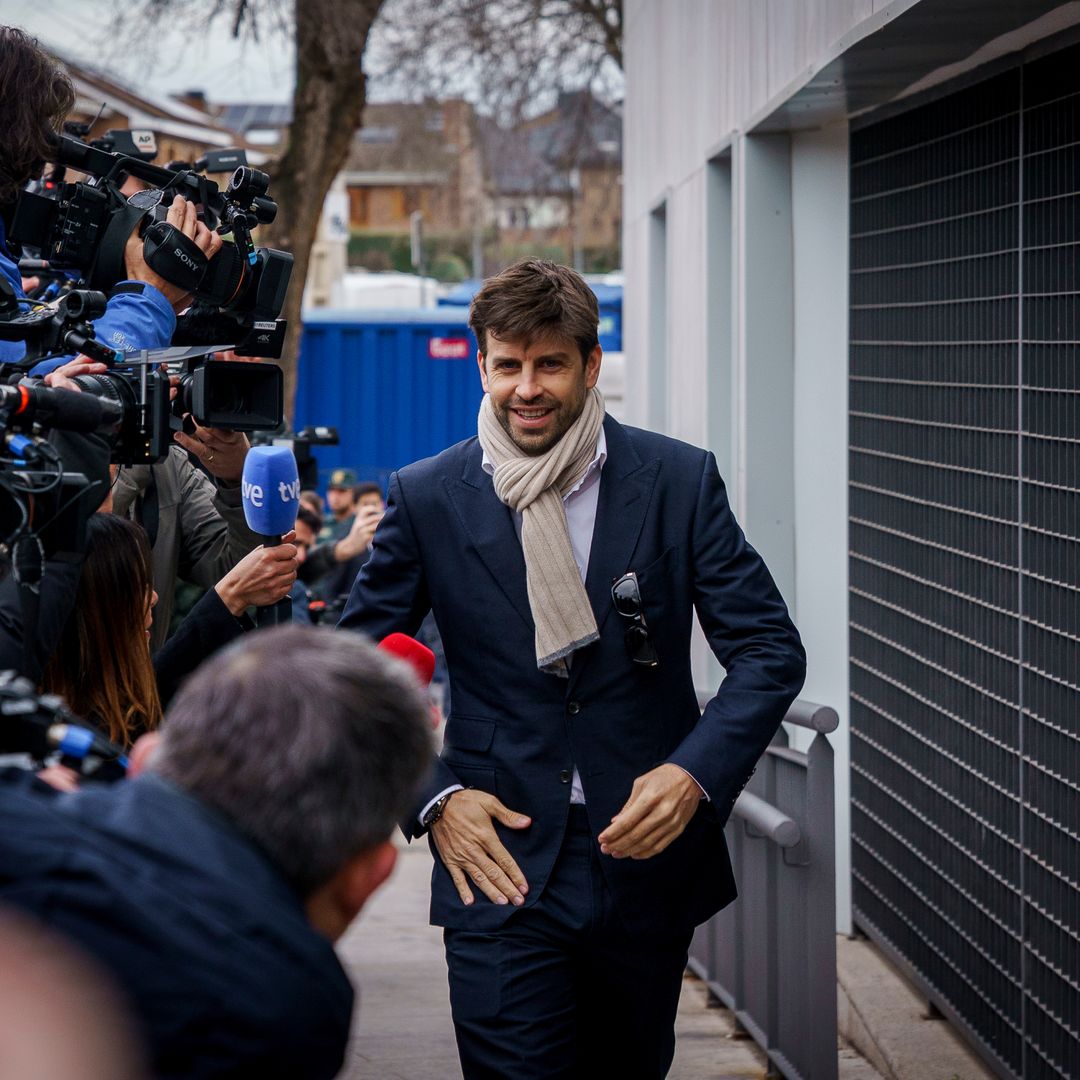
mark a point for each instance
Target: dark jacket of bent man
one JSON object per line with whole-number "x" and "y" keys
{"x": 189, "y": 916}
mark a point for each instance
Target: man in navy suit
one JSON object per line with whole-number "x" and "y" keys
{"x": 576, "y": 812}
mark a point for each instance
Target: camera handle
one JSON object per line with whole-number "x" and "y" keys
{"x": 174, "y": 256}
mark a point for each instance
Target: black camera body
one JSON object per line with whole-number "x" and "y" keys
{"x": 143, "y": 433}
{"x": 219, "y": 393}
{"x": 43, "y": 728}
{"x": 215, "y": 393}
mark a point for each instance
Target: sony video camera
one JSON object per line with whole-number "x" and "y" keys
{"x": 84, "y": 226}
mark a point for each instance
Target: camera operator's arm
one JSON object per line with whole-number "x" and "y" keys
{"x": 141, "y": 313}
{"x": 262, "y": 577}
{"x": 10, "y": 351}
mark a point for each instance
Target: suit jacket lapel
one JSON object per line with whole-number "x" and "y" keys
{"x": 489, "y": 523}
{"x": 626, "y": 488}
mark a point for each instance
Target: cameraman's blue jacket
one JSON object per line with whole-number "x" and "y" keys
{"x": 132, "y": 321}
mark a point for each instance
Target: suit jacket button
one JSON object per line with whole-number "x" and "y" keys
{"x": 573, "y": 708}
{"x": 565, "y": 776}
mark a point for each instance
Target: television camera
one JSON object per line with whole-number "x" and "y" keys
{"x": 79, "y": 230}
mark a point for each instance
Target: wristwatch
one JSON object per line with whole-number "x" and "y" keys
{"x": 436, "y": 809}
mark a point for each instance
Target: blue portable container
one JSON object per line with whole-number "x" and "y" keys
{"x": 608, "y": 297}
{"x": 399, "y": 385}
{"x": 461, "y": 294}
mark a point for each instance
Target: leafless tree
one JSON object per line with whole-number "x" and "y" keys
{"x": 509, "y": 57}
{"x": 330, "y": 37}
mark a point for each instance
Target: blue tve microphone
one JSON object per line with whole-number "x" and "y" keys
{"x": 270, "y": 490}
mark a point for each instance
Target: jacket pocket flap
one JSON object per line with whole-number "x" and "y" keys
{"x": 469, "y": 733}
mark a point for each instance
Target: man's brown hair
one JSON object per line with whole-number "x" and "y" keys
{"x": 35, "y": 98}
{"x": 534, "y": 297}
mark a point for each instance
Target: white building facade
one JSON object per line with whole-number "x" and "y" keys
{"x": 740, "y": 117}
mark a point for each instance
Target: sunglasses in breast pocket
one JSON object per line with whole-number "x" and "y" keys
{"x": 626, "y": 596}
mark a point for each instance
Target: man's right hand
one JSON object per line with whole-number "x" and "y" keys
{"x": 471, "y": 849}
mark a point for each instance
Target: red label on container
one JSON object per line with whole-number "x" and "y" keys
{"x": 449, "y": 348}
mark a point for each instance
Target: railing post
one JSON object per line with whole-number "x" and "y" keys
{"x": 771, "y": 956}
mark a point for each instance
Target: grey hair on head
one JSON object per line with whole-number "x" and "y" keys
{"x": 310, "y": 740}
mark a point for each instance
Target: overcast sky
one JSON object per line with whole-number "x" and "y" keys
{"x": 176, "y": 60}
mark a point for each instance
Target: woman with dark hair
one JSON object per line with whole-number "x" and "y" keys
{"x": 36, "y": 97}
{"x": 102, "y": 665}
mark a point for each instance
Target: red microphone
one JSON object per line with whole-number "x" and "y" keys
{"x": 416, "y": 654}
{"x": 420, "y": 658}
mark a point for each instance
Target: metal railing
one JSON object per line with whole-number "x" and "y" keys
{"x": 770, "y": 957}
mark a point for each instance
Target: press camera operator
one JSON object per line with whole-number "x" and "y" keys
{"x": 35, "y": 97}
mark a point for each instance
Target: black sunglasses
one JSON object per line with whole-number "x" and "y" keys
{"x": 626, "y": 596}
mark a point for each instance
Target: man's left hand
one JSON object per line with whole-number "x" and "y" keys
{"x": 660, "y": 805}
{"x": 220, "y": 450}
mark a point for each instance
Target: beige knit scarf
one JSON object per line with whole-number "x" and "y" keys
{"x": 535, "y": 486}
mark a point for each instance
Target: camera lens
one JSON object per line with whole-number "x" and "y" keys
{"x": 247, "y": 183}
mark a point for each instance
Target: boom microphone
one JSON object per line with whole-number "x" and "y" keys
{"x": 270, "y": 490}
{"x": 64, "y": 410}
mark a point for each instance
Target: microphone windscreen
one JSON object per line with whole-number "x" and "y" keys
{"x": 69, "y": 411}
{"x": 416, "y": 654}
{"x": 270, "y": 490}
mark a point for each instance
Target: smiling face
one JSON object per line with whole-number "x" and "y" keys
{"x": 537, "y": 388}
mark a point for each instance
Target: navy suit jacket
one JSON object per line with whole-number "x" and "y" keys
{"x": 447, "y": 543}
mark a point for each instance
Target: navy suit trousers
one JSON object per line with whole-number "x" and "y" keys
{"x": 562, "y": 989}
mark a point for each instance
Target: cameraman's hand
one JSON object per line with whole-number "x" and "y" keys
{"x": 358, "y": 539}
{"x": 221, "y": 450}
{"x": 61, "y": 377}
{"x": 262, "y": 577}
{"x": 182, "y": 215}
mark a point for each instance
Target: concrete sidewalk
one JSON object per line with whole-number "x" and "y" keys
{"x": 403, "y": 1031}
{"x": 892, "y": 1025}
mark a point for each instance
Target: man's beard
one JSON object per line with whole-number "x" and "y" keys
{"x": 565, "y": 413}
